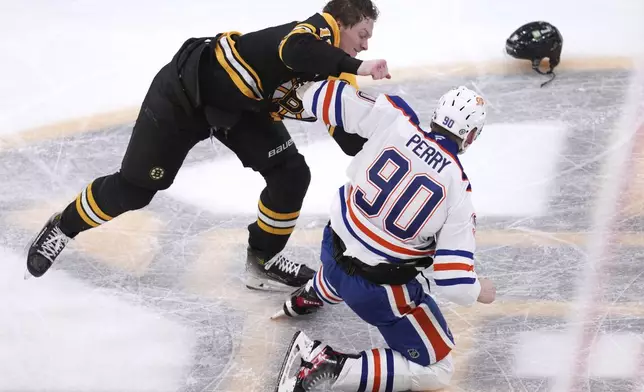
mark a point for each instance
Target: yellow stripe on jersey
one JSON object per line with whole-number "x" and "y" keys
{"x": 239, "y": 58}
{"x": 346, "y": 77}
{"x": 335, "y": 29}
{"x": 246, "y": 85}
{"x": 83, "y": 215}
{"x": 94, "y": 206}
{"x": 277, "y": 215}
{"x": 274, "y": 230}
{"x": 302, "y": 28}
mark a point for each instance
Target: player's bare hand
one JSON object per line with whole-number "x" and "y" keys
{"x": 488, "y": 291}
{"x": 377, "y": 69}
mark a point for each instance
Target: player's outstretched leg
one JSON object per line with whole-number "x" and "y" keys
{"x": 154, "y": 155}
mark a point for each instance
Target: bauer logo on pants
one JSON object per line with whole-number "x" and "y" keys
{"x": 280, "y": 148}
{"x": 157, "y": 173}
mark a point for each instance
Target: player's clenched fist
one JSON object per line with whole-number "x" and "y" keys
{"x": 377, "y": 69}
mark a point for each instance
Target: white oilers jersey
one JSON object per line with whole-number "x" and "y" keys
{"x": 407, "y": 196}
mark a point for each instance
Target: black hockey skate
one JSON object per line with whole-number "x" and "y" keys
{"x": 302, "y": 301}
{"x": 275, "y": 274}
{"x": 46, "y": 247}
{"x": 319, "y": 363}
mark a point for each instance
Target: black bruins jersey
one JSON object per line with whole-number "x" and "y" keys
{"x": 256, "y": 64}
{"x": 260, "y": 61}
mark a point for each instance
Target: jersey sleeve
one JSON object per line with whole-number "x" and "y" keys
{"x": 453, "y": 265}
{"x": 312, "y": 46}
{"x": 350, "y": 143}
{"x": 338, "y": 104}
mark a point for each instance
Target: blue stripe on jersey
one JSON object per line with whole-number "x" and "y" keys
{"x": 409, "y": 112}
{"x": 343, "y": 205}
{"x": 315, "y": 98}
{"x": 331, "y": 288}
{"x": 364, "y": 374}
{"x": 320, "y": 293}
{"x": 455, "y": 281}
{"x": 390, "y": 370}
{"x": 338, "y": 104}
{"x": 450, "y": 252}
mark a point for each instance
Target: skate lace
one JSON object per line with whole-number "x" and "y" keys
{"x": 284, "y": 264}
{"x": 53, "y": 244}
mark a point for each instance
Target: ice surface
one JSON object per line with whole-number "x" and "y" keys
{"x": 153, "y": 301}
{"x": 167, "y": 279}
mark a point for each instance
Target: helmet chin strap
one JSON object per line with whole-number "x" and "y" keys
{"x": 550, "y": 72}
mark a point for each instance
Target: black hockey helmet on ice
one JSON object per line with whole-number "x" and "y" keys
{"x": 534, "y": 41}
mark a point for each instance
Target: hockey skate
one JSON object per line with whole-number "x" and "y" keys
{"x": 275, "y": 274}
{"x": 46, "y": 247}
{"x": 302, "y": 301}
{"x": 318, "y": 363}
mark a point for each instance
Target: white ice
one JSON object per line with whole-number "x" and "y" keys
{"x": 71, "y": 59}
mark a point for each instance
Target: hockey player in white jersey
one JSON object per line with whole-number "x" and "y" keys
{"x": 406, "y": 208}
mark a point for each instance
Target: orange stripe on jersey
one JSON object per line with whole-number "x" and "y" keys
{"x": 381, "y": 241}
{"x": 401, "y": 302}
{"x": 324, "y": 290}
{"x": 327, "y": 102}
{"x": 440, "y": 347}
{"x": 376, "y": 370}
{"x": 453, "y": 267}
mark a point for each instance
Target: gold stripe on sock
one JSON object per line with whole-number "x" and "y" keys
{"x": 277, "y": 215}
{"x": 94, "y": 206}
{"x": 273, "y": 230}
{"x": 83, "y": 215}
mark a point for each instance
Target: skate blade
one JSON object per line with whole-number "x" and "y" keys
{"x": 254, "y": 282}
{"x": 279, "y": 315}
{"x": 299, "y": 342}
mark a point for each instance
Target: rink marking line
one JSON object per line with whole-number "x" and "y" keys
{"x": 509, "y": 238}
{"x": 611, "y": 198}
{"x": 261, "y": 337}
{"x": 128, "y": 243}
{"x": 504, "y": 66}
{"x": 95, "y": 122}
{"x": 464, "y": 322}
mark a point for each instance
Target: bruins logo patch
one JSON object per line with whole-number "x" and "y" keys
{"x": 157, "y": 173}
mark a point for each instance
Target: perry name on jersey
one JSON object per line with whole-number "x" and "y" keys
{"x": 408, "y": 196}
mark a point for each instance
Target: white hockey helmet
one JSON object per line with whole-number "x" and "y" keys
{"x": 461, "y": 112}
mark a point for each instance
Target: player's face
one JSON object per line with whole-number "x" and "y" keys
{"x": 354, "y": 39}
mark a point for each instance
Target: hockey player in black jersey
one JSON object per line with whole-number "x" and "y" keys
{"x": 234, "y": 87}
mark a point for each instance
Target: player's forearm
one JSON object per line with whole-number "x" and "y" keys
{"x": 305, "y": 53}
{"x": 350, "y": 143}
